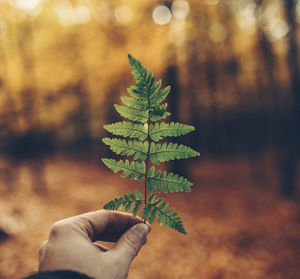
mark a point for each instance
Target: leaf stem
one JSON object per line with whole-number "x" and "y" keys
{"x": 147, "y": 165}
{"x": 148, "y": 151}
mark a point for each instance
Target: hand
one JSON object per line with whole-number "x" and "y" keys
{"x": 70, "y": 245}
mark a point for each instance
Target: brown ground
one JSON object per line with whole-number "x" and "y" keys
{"x": 237, "y": 226}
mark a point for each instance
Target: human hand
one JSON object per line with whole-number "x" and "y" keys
{"x": 70, "y": 245}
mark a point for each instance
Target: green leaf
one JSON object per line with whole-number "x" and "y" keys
{"x": 131, "y": 196}
{"x": 166, "y": 216}
{"x": 154, "y": 88}
{"x": 127, "y": 129}
{"x": 151, "y": 197}
{"x": 160, "y": 96}
{"x": 146, "y": 211}
{"x": 138, "y": 71}
{"x": 128, "y": 205}
{"x": 136, "y": 208}
{"x": 158, "y": 202}
{"x": 126, "y": 202}
{"x": 169, "y": 181}
{"x": 138, "y": 91}
{"x": 170, "y": 151}
{"x": 158, "y": 112}
{"x": 138, "y": 194}
{"x": 149, "y": 184}
{"x": 145, "y": 105}
{"x": 163, "y": 205}
{"x": 132, "y": 114}
{"x": 134, "y": 148}
{"x": 141, "y": 104}
{"x": 136, "y": 170}
{"x": 153, "y": 215}
{"x": 173, "y": 129}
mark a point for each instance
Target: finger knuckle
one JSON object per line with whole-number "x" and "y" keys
{"x": 59, "y": 228}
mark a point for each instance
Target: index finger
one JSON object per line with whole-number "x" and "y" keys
{"x": 102, "y": 224}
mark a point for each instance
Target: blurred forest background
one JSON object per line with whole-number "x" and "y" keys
{"x": 233, "y": 67}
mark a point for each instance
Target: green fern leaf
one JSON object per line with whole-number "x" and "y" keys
{"x": 136, "y": 208}
{"x": 151, "y": 197}
{"x": 138, "y": 194}
{"x": 160, "y": 96}
{"x": 158, "y": 112}
{"x": 141, "y": 104}
{"x": 153, "y": 89}
{"x": 134, "y": 170}
{"x": 134, "y": 148}
{"x": 127, "y": 129}
{"x": 126, "y": 201}
{"x": 144, "y": 107}
{"x": 167, "y": 217}
{"x": 146, "y": 211}
{"x": 170, "y": 151}
{"x": 138, "y": 91}
{"x": 153, "y": 215}
{"x": 138, "y": 71}
{"x": 173, "y": 129}
{"x": 161, "y": 181}
{"x": 132, "y": 114}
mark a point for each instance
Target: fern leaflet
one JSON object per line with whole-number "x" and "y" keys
{"x": 127, "y": 129}
{"x": 161, "y": 181}
{"x": 173, "y": 129}
{"x": 134, "y": 170}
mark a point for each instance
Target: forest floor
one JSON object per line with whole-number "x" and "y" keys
{"x": 238, "y": 226}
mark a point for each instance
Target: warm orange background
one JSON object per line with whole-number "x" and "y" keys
{"x": 234, "y": 71}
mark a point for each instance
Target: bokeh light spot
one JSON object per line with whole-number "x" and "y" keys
{"x": 68, "y": 15}
{"x": 123, "y": 14}
{"x": 30, "y": 7}
{"x": 211, "y": 2}
{"x": 161, "y": 15}
{"x": 64, "y": 12}
{"x": 27, "y": 4}
{"x": 277, "y": 30}
{"x": 82, "y": 14}
{"x": 180, "y": 9}
{"x": 246, "y": 19}
{"x": 218, "y": 32}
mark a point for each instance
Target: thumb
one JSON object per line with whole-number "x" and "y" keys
{"x": 131, "y": 242}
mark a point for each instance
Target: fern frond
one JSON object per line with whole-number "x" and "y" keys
{"x": 138, "y": 91}
{"x": 170, "y": 151}
{"x": 127, "y": 129}
{"x": 173, "y": 129}
{"x": 132, "y": 114}
{"x": 154, "y": 88}
{"x": 138, "y": 71}
{"x": 145, "y": 87}
{"x": 134, "y": 148}
{"x": 158, "y": 112}
{"x": 135, "y": 170}
{"x": 161, "y": 181}
{"x": 166, "y": 216}
{"x": 160, "y": 96}
{"x": 127, "y": 201}
{"x": 141, "y": 104}
{"x": 144, "y": 106}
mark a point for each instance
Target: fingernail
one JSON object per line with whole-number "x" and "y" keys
{"x": 142, "y": 228}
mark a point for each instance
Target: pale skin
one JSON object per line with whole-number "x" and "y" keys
{"x": 71, "y": 244}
